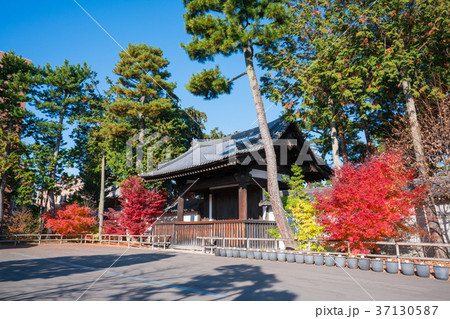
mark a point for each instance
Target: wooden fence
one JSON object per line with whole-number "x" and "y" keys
{"x": 188, "y": 233}
{"x": 154, "y": 241}
{"x": 165, "y": 240}
{"x": 184, "y": 233}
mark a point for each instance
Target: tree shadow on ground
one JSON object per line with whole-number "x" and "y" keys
{"x": 233, "y": 282}
{"x": 27, "y": 268}
{"x": 244, "y": 282}
{"x": 163, "y": 281}
{"x": 59, "y": 292}
{"x": 4, "y": 246}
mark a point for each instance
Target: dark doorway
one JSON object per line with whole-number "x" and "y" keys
{"x": 225, "y": 203}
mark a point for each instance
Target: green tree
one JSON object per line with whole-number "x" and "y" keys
{"x": 214, "y": 134}
{"x": 144, "y": 112}
{"x": 89, "y": 156}
{"x": 15, "y": 81}
{"x": 93, "y": 154}
{"x": 316, "y": 75}
{"x": 228, "y": 27}
{"x": 304, "y": 215}
{"x": 373, "y": 58}
{"x": 209, "y": 84}
{"x": 39, "y": 158}
{"x": 63, "y": 94}
{"x": 413, "y": 37}
{"x": 410, "y": 41}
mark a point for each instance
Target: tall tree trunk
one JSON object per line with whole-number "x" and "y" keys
{"x": 4, "y": 174}
{"x": 334, "y": 137}
{"x": 416, "y": 136}
{"x": 343, "y": 143}
{"x": 272, "y": 176}
{"x": 41, "y": 210}
{"x": 101, "y": 202}
{"x": 140, "y": 147}
{"x": 415, "y": 129}
{"x": 51, "y": 191}
{"x": 42, "y": 224}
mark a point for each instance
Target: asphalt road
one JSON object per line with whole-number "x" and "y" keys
{"x": 93, "y": 272}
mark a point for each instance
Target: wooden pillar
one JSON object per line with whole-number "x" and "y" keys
{"x": 210, "y": 206}
{"x": 180, "y": 209}
{"x": 242, "y": 178}
{"x": 242, "y": 200}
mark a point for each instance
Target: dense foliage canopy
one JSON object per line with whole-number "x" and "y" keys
{"x": 71, "y": 219}
{"x": 140, "y": 208}
{"x": 369, "y": 201}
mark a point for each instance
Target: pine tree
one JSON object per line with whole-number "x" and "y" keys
{"x": 88, "y": 155}
{"x": 39, "y": 158}
{"x": 144, "y": 111}
{"x": 228, "y": 27}
{"x": 63, "y": 94}
{"x": 15, "y": 81}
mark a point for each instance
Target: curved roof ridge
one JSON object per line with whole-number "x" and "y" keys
{"x": 216, "y": 150}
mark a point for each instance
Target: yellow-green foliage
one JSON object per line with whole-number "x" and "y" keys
{"x": 303, "y": 212}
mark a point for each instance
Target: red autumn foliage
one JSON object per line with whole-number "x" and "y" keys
{"x": 70, "y": 219}
{"x": 368, "y": 202}
{"x": 140, "y": 209}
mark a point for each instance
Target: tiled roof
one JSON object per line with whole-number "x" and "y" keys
{"x": 204, "y": 153}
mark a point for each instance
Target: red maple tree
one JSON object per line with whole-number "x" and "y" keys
{"x": 140, "y": 209}
{"x": 368, "y": 202}
{"x": 70, "y": 219}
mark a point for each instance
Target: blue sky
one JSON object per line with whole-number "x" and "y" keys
{"x": 52, "y": 31}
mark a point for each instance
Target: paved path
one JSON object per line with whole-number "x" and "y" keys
{"x": 93, "y": 272}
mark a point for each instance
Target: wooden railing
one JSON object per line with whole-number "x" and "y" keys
{"x": 154, "y": 241}
{"x": 183, "y": 233}
{"x": 245, "y": 243}
{"x": 222, "y": 243}
{"x": 188, "y": 233}
{"x": 396, "y": 244}
{"x": 38, "y": 238}
{"x": 164, "y": 240}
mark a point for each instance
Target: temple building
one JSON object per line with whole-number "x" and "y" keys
{"x": 225, "y": 179}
